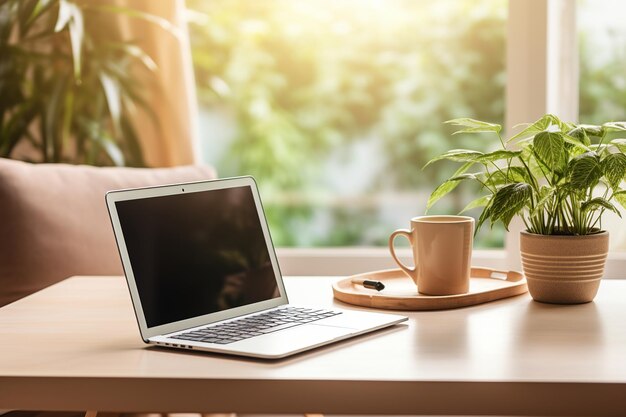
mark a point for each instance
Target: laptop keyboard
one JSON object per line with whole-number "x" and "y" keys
{"x": 256, "y": 325}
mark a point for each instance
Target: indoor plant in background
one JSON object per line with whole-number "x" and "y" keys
{"x": 68, "y": 84}
{"x": 560, "y": 178}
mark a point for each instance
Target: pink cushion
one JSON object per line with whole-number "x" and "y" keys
{"x": 54, "y": 222}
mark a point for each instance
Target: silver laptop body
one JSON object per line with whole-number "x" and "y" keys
{"x": 203, "y": 274}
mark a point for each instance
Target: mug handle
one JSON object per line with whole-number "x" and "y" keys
{"x": 411, "y": 272}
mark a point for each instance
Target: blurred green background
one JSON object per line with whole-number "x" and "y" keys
{"x": 335, "y": 106}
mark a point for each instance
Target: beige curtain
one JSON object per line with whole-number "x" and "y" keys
{"x": 171, "y": 89}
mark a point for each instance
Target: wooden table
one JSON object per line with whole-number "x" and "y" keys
{"x": 76, "y": 346}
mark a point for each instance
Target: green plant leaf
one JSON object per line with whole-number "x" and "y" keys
{"x": 137, "y": 52}
{"x": 473, "y": 126}
{"x": 550, "y": 148}
{"x": 25, "y": 9}
{"x": 619, "y": 143}
{"x": 497, "y": 156}
{"x": 77, "y": 32}
{"x": 614, "y": 126}
{"x": 71, "y": 16}
{"x": 113, "y": 98}
{"x": 65, "y": 14}
{"x": 441, "y": 191}
{"x": 549, "y": 122}
{"x": 546, "y": 195}
{"x": 111, "y": 148}
{"x": 458, "y": 155}
{"x": 463, "y": 177}
{"x": 17, "y": 127}
{"x": 132, "y": 144}
{"x": 447, "y": 186}
{"x": 518, "y": 174}
{"x": 509, "y": 201}
{"x": 479, "y": 202}
{"x": 40, "y": 7}
{"x": 614, "y": 168}
{"x": 597, "y": 203}
{"x": 484, "y": 216}
{"x": 582, "y": 133}
{"x": 576, "y": 143}
{"x": 52, "y": 120}
{"x": 585, "y": 171}
{"x": 620, "y": 196}
{"x": 154, "y": 19}
{"x": 506, "y": 176}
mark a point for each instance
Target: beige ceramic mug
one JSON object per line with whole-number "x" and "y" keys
{"x": 442, "y": 253}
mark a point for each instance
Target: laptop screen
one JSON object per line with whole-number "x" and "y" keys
{"x": 196, "y": 253}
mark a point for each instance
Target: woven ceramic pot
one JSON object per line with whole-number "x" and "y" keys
{"x": 563, "y": 269}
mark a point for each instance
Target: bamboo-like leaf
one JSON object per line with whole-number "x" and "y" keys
{"x": 614, "y": 168}
{"x": 131, "y": 143}
{"x": 65, "y": 14}
{"x": 110, "y": 148}
{"x": 457, "y": 155}
{"x": 479, "y": 202}
{"x": 40, "y": 8}
{"x": 77, "y": 32}
{"x": 137, "y": 52}
{"x": 52, "y": 114}
{"x": 473, "y": 126}
{"x": 25, "y": 9}
{"x": 447, "y": 186}
{"x": 17, "y": 127}
{"x": 113, "y": 98}
{"x": 154, "y": 19}
{"x": 550, "y": 148}
{"x": 597, "y": 203}
{"x": 70, "y": 15}
{"x": 585, "y": 171}
{"x": 68, "y": 115}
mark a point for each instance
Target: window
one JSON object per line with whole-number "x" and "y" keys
{"x": 602, "y": 84}
{"x": 602, "y": 51}
{"x": 335, "y": 106}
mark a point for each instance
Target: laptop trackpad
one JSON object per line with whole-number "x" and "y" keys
{"x": 357, "y": 321}
{"x": 292, "y": 340}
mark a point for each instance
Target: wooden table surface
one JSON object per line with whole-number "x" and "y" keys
{"x": 76, "y": 346}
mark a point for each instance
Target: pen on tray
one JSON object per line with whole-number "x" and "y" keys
{"x": 374, "y": 285}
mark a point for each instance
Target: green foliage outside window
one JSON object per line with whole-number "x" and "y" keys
{"x": 305, "y": 83}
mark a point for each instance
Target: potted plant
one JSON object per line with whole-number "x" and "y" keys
{"x": 560, "y": 178}
{"x": 69, "y": 84}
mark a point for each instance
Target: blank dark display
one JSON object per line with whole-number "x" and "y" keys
{"x": 197, "y": 253}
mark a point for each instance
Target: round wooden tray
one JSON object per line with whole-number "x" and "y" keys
{"x": 400, "y": 292}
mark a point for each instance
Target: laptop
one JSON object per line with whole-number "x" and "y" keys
{"x": 203, "y": 274}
